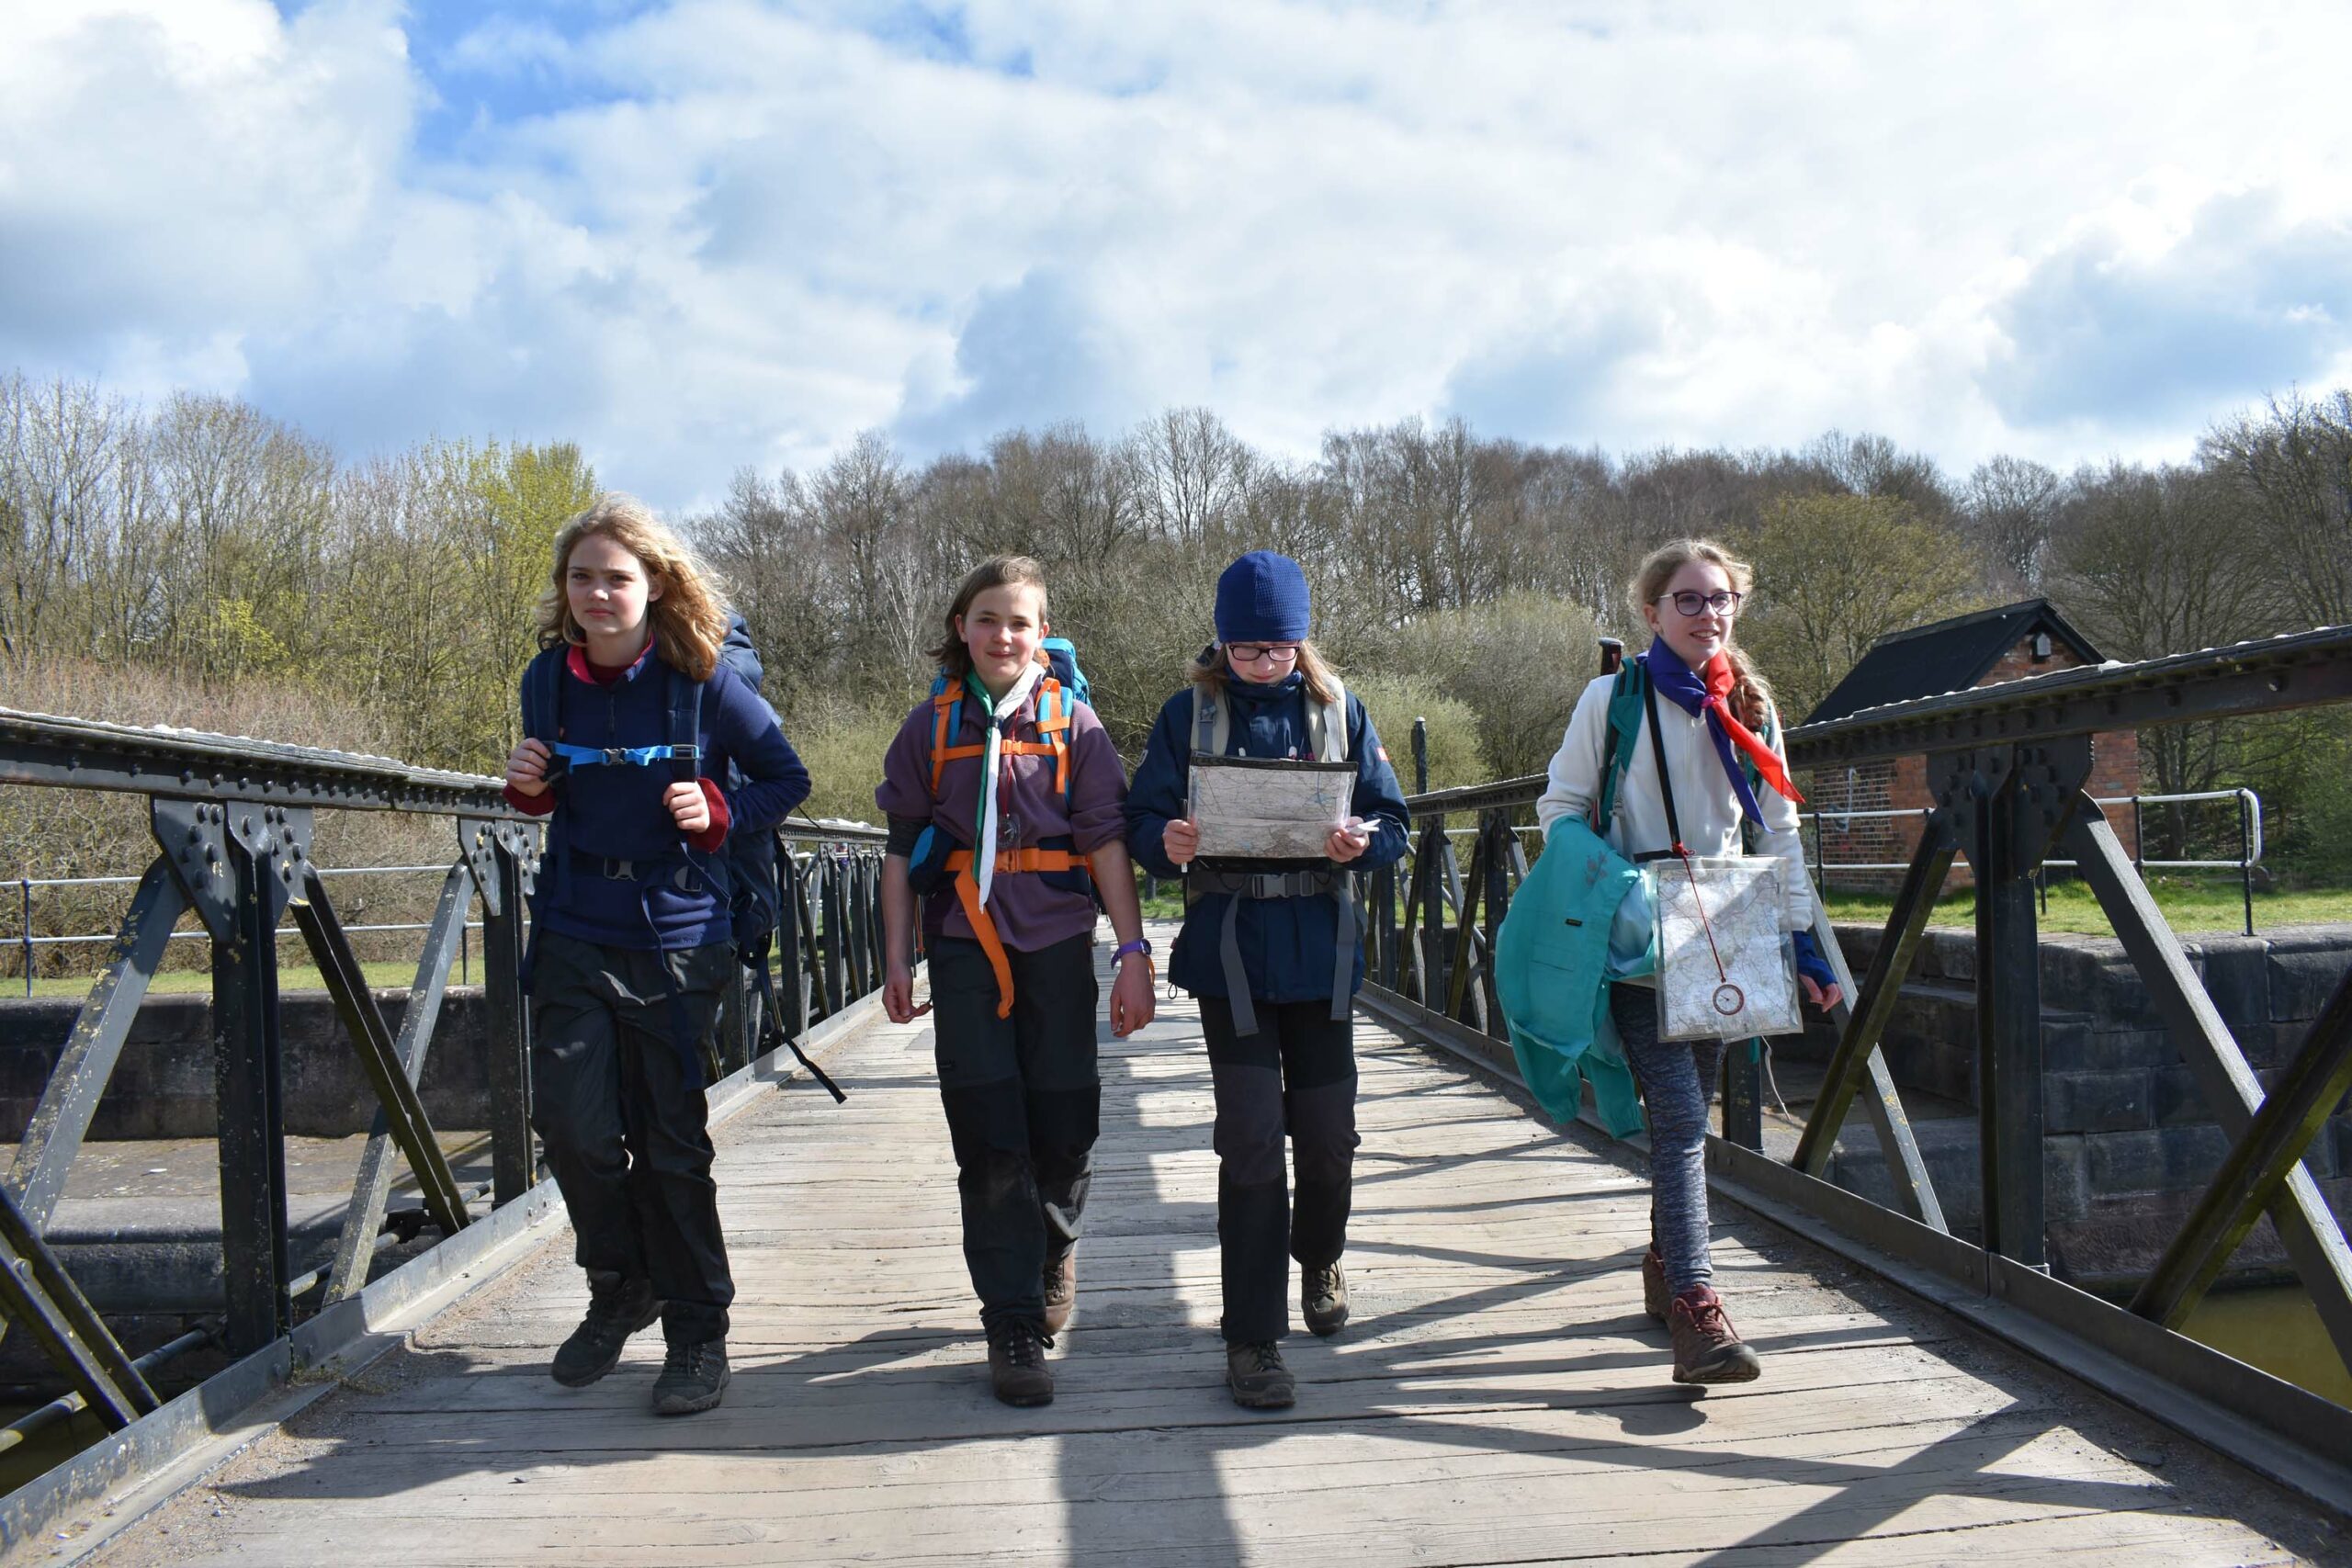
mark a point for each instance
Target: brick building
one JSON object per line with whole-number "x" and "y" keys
{"x": 1984, "y": 648}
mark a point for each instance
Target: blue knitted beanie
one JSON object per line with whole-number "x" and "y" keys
{"x": 1262, "y": 598}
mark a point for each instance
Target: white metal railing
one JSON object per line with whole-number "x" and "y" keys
{"x": 2250, "y": 838}
{"x": 27, "y": 944}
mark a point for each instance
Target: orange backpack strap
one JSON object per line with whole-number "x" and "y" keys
{"x": 967, "y": 894}
{"x": 944, "y": 709}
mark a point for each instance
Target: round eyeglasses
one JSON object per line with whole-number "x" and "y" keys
{"x": 1691, "y": 602}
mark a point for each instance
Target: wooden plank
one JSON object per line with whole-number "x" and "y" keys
{"x": 1499, "y": 1398}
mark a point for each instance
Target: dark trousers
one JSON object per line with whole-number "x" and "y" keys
{"x": 1297, "y": 1074}
{"x": 1024, "y": 1104}
{"x": 619, "y": 1109}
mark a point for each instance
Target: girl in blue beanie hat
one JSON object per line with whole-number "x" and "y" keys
{"x": 1270, "y": 949}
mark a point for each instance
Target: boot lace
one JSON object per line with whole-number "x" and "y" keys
{"x": 1019, "y": 1344}
{"x": 1706, "y": 1315}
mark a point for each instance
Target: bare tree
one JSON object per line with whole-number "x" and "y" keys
{"x": 2010, "y": 506}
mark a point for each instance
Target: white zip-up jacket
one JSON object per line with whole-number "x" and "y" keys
{"x": 1702, "y": 793}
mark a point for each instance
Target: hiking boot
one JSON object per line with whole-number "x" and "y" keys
{"x": 1323, "y": 1299}
{"x": 693, "y": 1377}
{"x": 1258, "y": 1380}
{"x": 1655, "y": 1300}
{"x": 1061, "y": 1289}
{"x": 1706, "y": 1347}
{"x": 616, "y": 1309}
{"x": 1017, "y": 1370}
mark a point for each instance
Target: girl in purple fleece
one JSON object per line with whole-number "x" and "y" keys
{"x": 1006, "y": 804}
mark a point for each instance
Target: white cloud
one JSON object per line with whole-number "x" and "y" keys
{"x": 719, "y": 232}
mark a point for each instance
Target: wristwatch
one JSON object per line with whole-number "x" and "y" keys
{"x": 1141, "y": 944}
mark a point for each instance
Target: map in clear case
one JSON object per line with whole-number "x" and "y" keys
{"x": 1743, "y": 983}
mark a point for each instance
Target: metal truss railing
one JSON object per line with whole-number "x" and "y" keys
{"x": 2008, "y": 764}
{"x": 232, "y": 821}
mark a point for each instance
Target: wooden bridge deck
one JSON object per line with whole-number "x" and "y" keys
{"x": 1499, "y": 1397}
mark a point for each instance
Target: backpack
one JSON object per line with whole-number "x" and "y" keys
{"x": 1061, "y": 654}
{"x": 741, "y": 873}
{"x": 1327, "y": 723}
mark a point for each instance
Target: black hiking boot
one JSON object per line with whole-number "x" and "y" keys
{"x": 693, "y": 1377}
{"x": 616, "y": 1309}
{"x": 1061, "y": 1289}
{"x": 1017, "y": 1370}
{"x": 1323, "y": 1299}
{"x": 1258, "y": 1380}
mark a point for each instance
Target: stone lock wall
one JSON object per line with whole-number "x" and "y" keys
{"x": 162, "y": 1086}
{"x": 2128, "y": 1144}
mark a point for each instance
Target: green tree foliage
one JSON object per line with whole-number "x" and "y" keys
{"x": 1454, "y": 575}
{"x": 1394, "y": 702}
{"x": 1834, "y": 574}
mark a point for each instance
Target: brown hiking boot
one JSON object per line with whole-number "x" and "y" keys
{"x": 1654, "y": 1300}
{"x": 1707, "y": 1349}
{"x": 1017, "y": 1370}
{"x": 1061, "y": 1289}
{"x": 1258, "y": 1380}
{"x": 1323, "y": 1299}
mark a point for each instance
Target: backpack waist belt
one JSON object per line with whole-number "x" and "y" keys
{"x": 967, "y": 894}
{"x": 612, "y": 868}
{"x": 1310, "y": 884}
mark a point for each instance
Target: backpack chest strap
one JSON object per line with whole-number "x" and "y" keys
{"x": 624, "y": 756}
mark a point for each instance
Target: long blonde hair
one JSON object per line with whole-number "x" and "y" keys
{"x": 1212, "y": 668}
{"x": 1751, "y": 694}
{"x": 690, "y": 618}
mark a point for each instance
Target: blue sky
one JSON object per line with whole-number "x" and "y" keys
{"x": 696, "y": 235}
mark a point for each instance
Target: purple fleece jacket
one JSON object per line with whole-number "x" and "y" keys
{"x": 1028, "y": 914}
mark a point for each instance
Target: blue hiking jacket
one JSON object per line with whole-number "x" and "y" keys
{"x": 1286, "y": 944}
{"x": 616, "y": 812}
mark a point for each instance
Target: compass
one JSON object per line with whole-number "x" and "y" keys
{"x": 1729, "y": 999}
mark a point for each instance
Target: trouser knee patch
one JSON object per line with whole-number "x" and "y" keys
{"x": 986, "y": 1120}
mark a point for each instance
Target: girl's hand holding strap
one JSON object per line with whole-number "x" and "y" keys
{"x": 526, "y": 769}
{"x": 689, "y": 808}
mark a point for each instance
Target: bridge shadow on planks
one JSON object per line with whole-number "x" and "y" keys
{"x": 1499, "y": 1398}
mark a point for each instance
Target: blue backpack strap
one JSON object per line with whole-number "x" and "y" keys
{"x": 685, "y": 728}
{"x": 543, "y": 695}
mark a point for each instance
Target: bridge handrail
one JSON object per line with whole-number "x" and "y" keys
{"x": 2007, "y": 765}
{"x": 233, "y": 820}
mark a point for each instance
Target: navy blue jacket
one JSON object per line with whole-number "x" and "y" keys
{"x": 1285, "y": 943}
{"x": 615, "y": 812}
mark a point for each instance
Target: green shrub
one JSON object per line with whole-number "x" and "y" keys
{"x": 1393, "y": 702}
{"x": 843, "y": 744}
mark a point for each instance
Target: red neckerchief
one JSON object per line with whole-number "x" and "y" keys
{"x": 1720, "y": 678}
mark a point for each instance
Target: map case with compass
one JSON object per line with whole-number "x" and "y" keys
{"x": 1725, "y": 970}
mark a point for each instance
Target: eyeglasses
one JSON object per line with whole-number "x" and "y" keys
{"x": 1691, "y": 602}
{"x": 1252, "y": 652}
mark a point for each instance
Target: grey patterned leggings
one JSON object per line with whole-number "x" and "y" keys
{"x": 1678, "y": 1079}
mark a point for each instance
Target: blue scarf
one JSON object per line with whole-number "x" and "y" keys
{"x": 1676, "y": 682}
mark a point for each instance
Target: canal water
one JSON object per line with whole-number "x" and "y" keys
{"x": 2276, "y": 1328}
